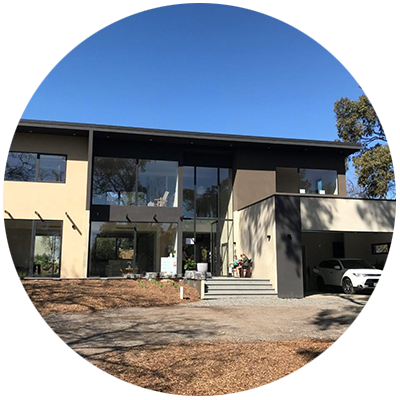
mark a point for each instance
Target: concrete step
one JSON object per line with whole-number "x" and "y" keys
{"x": 262, "y": 286}
{"x": 238, "y": 293}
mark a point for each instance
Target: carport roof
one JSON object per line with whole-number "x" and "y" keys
{"x": 82, "y": 129}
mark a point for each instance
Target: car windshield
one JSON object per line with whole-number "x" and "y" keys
{"x": 356, "y": 264}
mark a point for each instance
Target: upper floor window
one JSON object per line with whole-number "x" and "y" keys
{"x": 307, "y": 181}
{"x": 126, "y": 181}
{"x": 317, "y": 181}
{"x": 35, "y": 167}
{"x": 207, "y": 192}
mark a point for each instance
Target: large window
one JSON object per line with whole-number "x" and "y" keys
{"x": 207, "y": 192}
{"x": 307, "y": 181}
{"x": 124, "y": 181}
{"x": 317, "y": 181}
{"x": 34, "y": 167}
{"x": 35, "y": 246}
{"x": 144, "y": 247}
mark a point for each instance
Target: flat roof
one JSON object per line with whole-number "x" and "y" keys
{"x": 58, "y": 127}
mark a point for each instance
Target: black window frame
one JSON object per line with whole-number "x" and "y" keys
{"x": 380, "y": 244}
{"x": 37, "y": 170}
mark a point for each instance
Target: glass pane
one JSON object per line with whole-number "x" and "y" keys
{"x": 47, "y": 248}
{"x": 226, "y": 246}
{"x": 157, "y": 245}
{"x": 21, "y": 167}
{"x": 318, "y": 181}
{"x": 52, "y": 168}
{"x": 188, "y": 191}
{"x": 188, "y": 246}
{"x": 225, "y": 191}
{"x": 203, "y": 241}
{"x": 111, "y": 248}
{"x": 157, "y": 185}
{"x": 114, "y": 181}
{"x": 19, "y": 237}
{"x": 206, "y": 192}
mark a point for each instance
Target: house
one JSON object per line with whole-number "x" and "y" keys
{"x": 90, "y": 201}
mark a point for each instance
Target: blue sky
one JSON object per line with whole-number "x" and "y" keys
{"x": 199, "y": 67}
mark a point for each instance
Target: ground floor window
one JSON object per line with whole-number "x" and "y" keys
{"x": 35, "y": 246}
{"x": 142, "y": 247}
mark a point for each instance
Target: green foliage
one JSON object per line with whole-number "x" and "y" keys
{"x": 357, "y": 122}
{"x": 174, "y": 284}
{"x": 189, "y": 264}
{"x": 156, "y": 282}
{"x": 141, "y": 284}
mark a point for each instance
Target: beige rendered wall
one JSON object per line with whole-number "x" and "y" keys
{"x": 359, "y": 245}
{"x": 52, "y": 200}
{"x": 251, "y": 227}
{"x": 347, "y": 215}
{"x": 251, "y": 186}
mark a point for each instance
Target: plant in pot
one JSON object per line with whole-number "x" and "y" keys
{"x": 189, "y": 265}
{"x": 203, "y": 266}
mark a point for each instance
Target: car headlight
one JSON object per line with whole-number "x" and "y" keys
{"x": 358, "y": 275}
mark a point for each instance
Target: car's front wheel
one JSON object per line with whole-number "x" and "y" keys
{"x": 347, "y": 286}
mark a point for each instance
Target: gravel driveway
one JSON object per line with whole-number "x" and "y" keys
{"x": 257, "y": 319}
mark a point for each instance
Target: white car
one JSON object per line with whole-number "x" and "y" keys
{"x": 350, "y": 273}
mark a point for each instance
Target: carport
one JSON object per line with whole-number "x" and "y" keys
{"x": 351, "y": 228}
{"x": 316, "y": 246}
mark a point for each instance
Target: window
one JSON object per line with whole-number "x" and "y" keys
{"x": 144, "y": 247}
{"x": 125, "y": 181}
{"x": 157, "y": 183}
{"x": 380, "y": 248}
{"x": 206, "y": 192}
{"x": 318, "y": 181}
{"x": 34, "y": 167}
{"x": 114, "y": 181}
{"x": 35, "y": 246}
{"x": 188, "y": 191}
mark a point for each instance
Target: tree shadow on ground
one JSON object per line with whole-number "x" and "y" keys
{"x": 43, "y": 337}
{"x": 366, "y": 311}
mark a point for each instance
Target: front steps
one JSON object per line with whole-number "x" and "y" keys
{"x": 237, "y": 287}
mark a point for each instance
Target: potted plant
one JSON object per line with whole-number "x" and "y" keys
{"x": 203, "y": 266}
{"x": 189, "y": 265}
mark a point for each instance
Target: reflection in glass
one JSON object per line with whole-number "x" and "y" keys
{"x": 19, "y": 237}
{"x": 157, "y": 183}
{"x": 21, "y": 167}
{"x": 51, "y": 168}
{"x": 47, "y": 248}
{"x": 188, "y": 245}
{"x": 225, "y": 192}
{"x": 114, "y": 181}
{"x": 188, "y": 191}
{"x": 318, "y": 181}
{"x": 115, "y": 246}
{"x": 206, "y": 192}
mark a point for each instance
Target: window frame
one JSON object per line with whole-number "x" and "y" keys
{"x": 37, "y": 167}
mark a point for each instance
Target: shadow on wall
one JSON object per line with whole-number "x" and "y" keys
{"x": 256, "y": 224}
{"x": 383, "y": 214}
{"x": 316, "y": 213}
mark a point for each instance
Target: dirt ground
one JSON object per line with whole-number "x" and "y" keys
{"x": 65, "y": 296}
{"x": 206, "y": 369}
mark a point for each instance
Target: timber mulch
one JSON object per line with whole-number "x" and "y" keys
{"x": 206, "y": 369}
{"x": 64, "y": 296}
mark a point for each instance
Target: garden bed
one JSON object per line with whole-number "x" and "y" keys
{"x": 86, "y": 295}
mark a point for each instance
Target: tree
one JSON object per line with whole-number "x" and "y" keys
{"x": 357, "y": 122}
